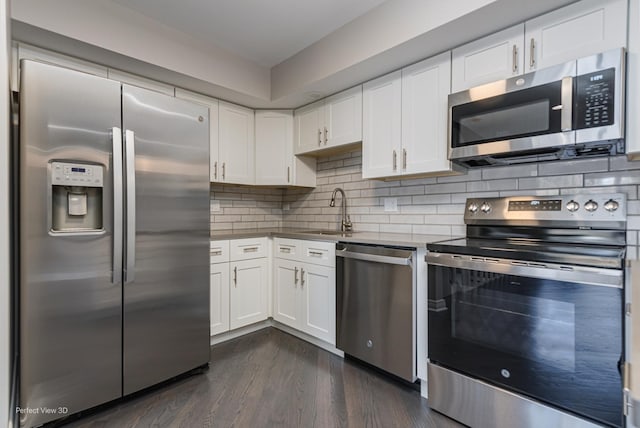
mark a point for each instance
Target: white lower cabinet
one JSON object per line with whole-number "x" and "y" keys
{"x": 248, "y": 292}
{"x": 219, "y": 298}
{"x": 304, "y": 288}
{"x": 239, "y": 284}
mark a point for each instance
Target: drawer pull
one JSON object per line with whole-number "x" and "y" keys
{"x": 216, "y": 253}
{"x": 316, "y": 253}
{"x": 250, "y": 250}
{"x": 285, "y": 250}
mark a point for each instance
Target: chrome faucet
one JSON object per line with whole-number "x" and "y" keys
{"x": 346, "y": 225}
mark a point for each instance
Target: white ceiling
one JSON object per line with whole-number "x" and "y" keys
{"x": 264, "y": 31}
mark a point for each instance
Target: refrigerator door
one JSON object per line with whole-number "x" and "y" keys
{"x": 166, "y": 289}
{"x": 70, "y": 296}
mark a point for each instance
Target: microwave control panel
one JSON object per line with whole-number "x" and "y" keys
{"x": 595, "y": 99}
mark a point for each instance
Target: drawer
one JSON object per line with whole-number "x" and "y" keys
{"x": 290, "y": 249}
{"x": 219, "y": 251}
{"x": 319, "y": 253}
{"x": 250, "y": 248}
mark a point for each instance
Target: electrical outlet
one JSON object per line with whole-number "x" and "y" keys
{"x": 391, "y": 204}
{"x": 286, "y": 206}
{"x": 215, "y": 206}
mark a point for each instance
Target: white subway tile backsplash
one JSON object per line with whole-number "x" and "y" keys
{"x": 425, "y": 205}
{"x": 580, "y": 166}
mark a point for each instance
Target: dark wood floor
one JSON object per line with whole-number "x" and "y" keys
{"x": 272, "y": 379}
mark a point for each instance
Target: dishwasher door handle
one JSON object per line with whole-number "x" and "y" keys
{"x": 403, "y": 261}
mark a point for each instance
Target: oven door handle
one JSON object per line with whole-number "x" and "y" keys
{"x": 558, "y": 272}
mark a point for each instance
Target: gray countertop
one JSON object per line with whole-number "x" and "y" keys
{"x": 398, "y": 239}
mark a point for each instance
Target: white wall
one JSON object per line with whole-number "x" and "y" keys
{"x": 115, "y": 28}
{"x": 5, "y": 309}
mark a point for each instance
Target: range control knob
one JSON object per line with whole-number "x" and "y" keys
{"x": 473, "y": 208}
{"x": 591, "y": 205}
{"x": 573, "y": 206}
{"x": 485, "y": 207}
{"x": 611, "y": 205}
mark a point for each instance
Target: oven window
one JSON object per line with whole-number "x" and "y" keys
{"x": 528, "y": 112}
{"x": 491, "y": 314}
{"x": 556, "y": 341}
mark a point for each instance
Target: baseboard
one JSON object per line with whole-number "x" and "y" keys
{"x": 314, "y": 341}
{"x": 224, "y": 337}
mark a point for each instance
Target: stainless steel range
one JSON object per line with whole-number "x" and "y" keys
{"x": 526, "y": 313}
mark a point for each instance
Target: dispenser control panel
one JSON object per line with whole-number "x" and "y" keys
{"x": 76, "y": 174}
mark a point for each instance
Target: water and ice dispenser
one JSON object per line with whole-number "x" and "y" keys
{"x": 76, "y": 197}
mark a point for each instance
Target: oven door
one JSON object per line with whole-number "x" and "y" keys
{"x": 532, "y": 329}
{"x": 521, "y": 114}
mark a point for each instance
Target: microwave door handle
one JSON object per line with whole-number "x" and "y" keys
{"x": 566, "y": 115}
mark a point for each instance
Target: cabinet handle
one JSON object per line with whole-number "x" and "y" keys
{"x": 286, "y": 250}
{"x": 302, "y": 276}
{"x": 215, "y": 170}
{"x": 223, "y": 170}
{"x": 250, "y": 249}
{"x": 216, "y": 253}
{"x": 404, "y": 158}
{"x": 319, "y": 137}
{"x": 532, "y": 55}
{"x": 325, "y": 136}
{"x": 235, "y": 276}
{"x": 295, "y": 275}
{"x": 288, "y": 174}
{"x": 515, "y": 59}
{"x": 395, "y": 160}
{"x": 316, "y": 253}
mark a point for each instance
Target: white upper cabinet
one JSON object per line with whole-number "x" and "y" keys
{"x": 276, "y": 164}
{"x": 308, "y": 120}
{"x": 381, "y": 126}
{"x": 333, "y": 122}
{"x": 237, "y": 145}
{"x": 274, "y": 147}
{"x": 425, "y": 88}
{"x": 495, "y": 57}
{"x": 343, "y": 118}
{"x": 212, "y": 105}
{"x": 405, "y": 121}
{"x": 580, "y": 29}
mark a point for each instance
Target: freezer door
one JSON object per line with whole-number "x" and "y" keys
{"x": 70, "y": 309}
{"x": 166, "y": 289}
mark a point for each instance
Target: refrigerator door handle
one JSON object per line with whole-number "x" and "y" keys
{"x": 116, "y": 139}
{"x": 130, "y": 267}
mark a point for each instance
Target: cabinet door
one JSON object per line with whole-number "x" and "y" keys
{"x": 274, "y": 147}
{"x": 425, "y": 88}
{"x": 237, "y": 147}
{"x": 307, "y": 135}
{"x": 248, "y": 292}
{"x": 219, "y": 298}
{"x": 495, "y": 57}
{"x": 287, "y": 293}
{"x": 381, "y": 131}
{"x": 212, "y": 105}
{"x": 343, "y": 118}
{"x": 580, "y": 29}
{"x": 318, "y": 285}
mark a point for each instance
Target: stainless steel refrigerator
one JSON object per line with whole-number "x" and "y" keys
{"x": 114, "y": 238}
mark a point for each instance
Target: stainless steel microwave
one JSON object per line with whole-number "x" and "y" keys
{"x": 569, "y": 110}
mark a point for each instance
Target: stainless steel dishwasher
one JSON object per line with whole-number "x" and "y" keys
{"x": 376, "y": 306}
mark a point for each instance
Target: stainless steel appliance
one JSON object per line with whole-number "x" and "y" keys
{"x": 526, "y": 313}
{"x": 114, "y": 238}
{"x": 375, "y": 306}
{"x": 569, "y": 110}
